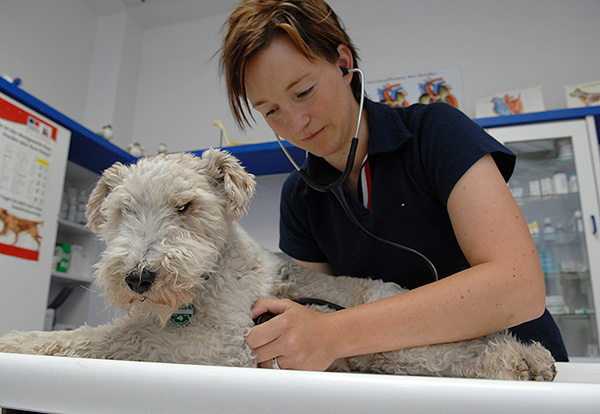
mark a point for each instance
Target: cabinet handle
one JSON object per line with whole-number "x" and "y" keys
{"x": 594, "y": 229}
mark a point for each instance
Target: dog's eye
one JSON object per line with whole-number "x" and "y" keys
{"x": 183, "y": 208}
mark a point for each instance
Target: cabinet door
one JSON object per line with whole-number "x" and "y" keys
{"x": 85, "y": 303}
{"x": 554, "y": 184}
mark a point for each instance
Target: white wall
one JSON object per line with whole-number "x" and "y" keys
{"x": 112, "y": 90}
{"x": 262, "y": 220}
{"x": 162, "y": 84}
{"x": 49, "y": 44}
{"x": 499, "y": 46}
{"x": 179, "y": 93}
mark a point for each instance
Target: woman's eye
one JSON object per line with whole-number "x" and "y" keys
{"x": 183, "y": 208}
{"x": 271, "y": 112}
{"x": 305, "y": 93}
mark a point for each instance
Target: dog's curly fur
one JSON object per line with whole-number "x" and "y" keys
{"x": 175, "y": 217}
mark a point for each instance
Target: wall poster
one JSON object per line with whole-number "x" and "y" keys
{"x": 27, "y": 143}
{"x": 439, "y": 85}
{"x": 583, "y": 94}
{"x": 518, "y": 101}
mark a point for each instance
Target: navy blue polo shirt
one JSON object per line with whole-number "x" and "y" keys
{"x": 416, "y": 156}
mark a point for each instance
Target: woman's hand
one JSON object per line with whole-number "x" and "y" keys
{"x": 298, "y": 337}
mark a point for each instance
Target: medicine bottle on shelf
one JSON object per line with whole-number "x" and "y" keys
{"x": 578, "y": 221}
{"x": 548, "y": 230}
{"x": 561, "y": 236}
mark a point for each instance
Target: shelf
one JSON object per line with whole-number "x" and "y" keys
{"x": 265, "y": 158}
{"x": 567, "y": 238}
{"x": 93, "y": 152}
{"x": 73, "y": 228}
{"x": 71, "y": 278}
{"x": 547, "y": 198}
{"x": 87, "y": 148}
{"x": 565, "y": 312}
{"x": 558, "y": 273}
{"x": 536, "y": 117}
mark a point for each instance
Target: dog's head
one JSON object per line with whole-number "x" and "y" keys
{"x": 165, "y": 221}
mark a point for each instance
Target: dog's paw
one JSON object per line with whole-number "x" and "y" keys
{"x": 524, "y": 372}
{"x": 539, "y": 364}
{"x": 506, "y": 358}
{"x": 528, "y": 363}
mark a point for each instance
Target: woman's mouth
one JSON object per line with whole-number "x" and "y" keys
{"x": 312, "y": 137}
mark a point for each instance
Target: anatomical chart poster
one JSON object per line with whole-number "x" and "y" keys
{"x": 583, "y": 94}
{"x": 514, "y": 102}
{"x": 439, "y": 85}
{"x": 27, "y": 142}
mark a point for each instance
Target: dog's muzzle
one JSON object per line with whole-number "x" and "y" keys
{"x": 140, "y": 279}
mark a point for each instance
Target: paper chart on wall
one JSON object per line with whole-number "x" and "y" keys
{"x": 27, "y": 142}
{"x": 438, "y": 85}
{"x": 514, "y": 102}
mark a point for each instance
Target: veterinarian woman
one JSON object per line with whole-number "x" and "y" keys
{"x": 424, "y": 176}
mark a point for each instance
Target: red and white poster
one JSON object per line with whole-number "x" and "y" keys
{"x": 27, "y": 143}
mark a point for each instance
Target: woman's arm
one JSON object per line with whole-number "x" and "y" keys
{"x": 503, "y": 288}
{"x": 319, "y": 267}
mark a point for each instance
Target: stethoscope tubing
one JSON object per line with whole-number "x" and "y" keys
{"x": 336, "y": 187}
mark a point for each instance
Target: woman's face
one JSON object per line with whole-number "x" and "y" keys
{"x": 310, "y": 104}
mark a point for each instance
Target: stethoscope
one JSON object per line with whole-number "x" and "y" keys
{"x": 336, "y": 187}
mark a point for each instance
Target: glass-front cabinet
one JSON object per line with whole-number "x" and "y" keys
{"x": 556, "y": 185}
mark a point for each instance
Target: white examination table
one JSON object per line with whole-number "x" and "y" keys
{"x": 73, "y": 385}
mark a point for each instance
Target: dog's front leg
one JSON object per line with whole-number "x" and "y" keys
{"x": 83, "y": 342}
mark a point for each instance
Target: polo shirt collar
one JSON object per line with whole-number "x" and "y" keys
{"x": 387, "y": 133}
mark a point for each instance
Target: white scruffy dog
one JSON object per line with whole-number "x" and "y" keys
{"x": 187, "y": 274}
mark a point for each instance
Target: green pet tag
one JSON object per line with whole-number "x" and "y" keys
{"x": 182, "y": 316}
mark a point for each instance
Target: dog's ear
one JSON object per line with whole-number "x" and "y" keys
{"x": 111, "y": 177}
{"x": 237, "y": 184}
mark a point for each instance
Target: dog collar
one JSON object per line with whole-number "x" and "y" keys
{"x": 182, "y": 316}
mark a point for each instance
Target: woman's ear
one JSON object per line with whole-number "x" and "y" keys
{"x": 345, "y": 59}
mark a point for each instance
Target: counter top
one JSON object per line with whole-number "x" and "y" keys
{"x": 74, "y": 385}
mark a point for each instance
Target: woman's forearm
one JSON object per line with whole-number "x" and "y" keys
{"x": 472, "y": 303}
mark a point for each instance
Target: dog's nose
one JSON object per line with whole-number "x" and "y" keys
{"x": 140, "y": 280}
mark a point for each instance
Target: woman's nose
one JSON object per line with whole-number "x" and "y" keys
{"x": 297, "y": 121}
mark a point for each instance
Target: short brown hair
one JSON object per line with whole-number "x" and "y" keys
{"x": 310, "y": 24}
